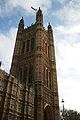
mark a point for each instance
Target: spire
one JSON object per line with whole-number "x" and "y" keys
{"x": 39, "y": 10}
{"x": 49, "y": 27}
{"x": 39, "y": 17}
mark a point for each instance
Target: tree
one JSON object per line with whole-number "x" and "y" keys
{"x": 70, "y": 115}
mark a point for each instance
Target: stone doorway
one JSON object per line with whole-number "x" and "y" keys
{"x": 47, "y": 113}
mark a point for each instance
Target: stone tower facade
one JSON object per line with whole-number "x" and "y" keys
{"x": 34, "y": 65}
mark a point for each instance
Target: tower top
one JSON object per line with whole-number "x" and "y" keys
{"x": 49, "y": 26}
{"x": 39, "y": 16}
{"x": 21, "y": 23}
{"x": 21, "y": 20}
{"x": 39, "y": 10}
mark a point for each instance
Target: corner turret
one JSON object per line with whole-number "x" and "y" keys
{"x": 51, "y": 41}
{"x": 50, "y": 32}
{"x": 49, "y": 28}
{"x": 21, "y": 24}
{"x": 14, "y": 68}
{"x": 20, "y": 28}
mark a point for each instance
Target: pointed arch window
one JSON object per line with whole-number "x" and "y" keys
{"x": 23, "y": 48}
{"x": 6, "y": 116}
{"x": 32, "y": 43}
{"x": 25, "y": 74}
{"x": 31, "y": 75}
{"x": 46, "y": 48}
{"x": 20, "y": 74}
{"x": 47, "y": 77}
{"x": 50, "y": 79}
{"x": 28, "y": 46}
{"x": 48, "y": 51}
{"x": 44, "y": 74}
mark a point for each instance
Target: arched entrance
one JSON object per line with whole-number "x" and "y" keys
{"x": 47, "y": 113}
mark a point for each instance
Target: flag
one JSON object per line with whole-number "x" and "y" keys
{"x": 33, "y": 8}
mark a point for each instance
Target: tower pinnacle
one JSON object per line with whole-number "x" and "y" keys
{"x": 21, "y": 24}
{"x": 49, "y": 26}
{"x": 39, "y": 17}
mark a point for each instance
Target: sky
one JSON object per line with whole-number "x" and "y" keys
{"x": 64, "y": 16}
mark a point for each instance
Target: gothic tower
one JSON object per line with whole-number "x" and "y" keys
{"x": 34, "y": 63}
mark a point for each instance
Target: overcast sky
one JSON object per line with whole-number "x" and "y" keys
{"x": 64, "y": 16}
